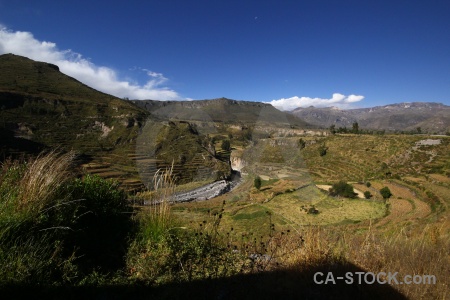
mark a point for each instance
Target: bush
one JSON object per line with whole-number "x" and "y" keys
{"x": 102, "y": 225}
{"x": 226, "y": 146}
{"x": 342, "y": 189}
{"x": 54, "y": 228}
{"x": 301, "y": 144}
{"x": 257, "y": 182}
{"x": 385, "y": 192}
{"x": 367, "y": 195}
{"x": 323, "y": 150}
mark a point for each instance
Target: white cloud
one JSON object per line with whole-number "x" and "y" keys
{"x": 73, "y": 64}
{"x": 337, "y": 100}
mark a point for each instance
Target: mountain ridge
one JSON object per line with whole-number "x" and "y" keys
{"x": 221, "y": 110}
{"x": 431, "y": 117}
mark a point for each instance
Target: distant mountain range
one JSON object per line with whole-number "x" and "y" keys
{"x": 430, "y": 117}
{"x": 222, "y": 110}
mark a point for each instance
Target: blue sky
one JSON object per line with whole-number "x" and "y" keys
{"x": 288, "y": 53}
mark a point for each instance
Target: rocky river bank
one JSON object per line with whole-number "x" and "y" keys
{"x": 206, "y": 192}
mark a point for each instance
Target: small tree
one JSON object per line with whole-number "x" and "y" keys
{"x": 355, "y": 127}
{"x": 301, "y": 144}
{"x": 323, "y": 150}
{"x": 257, "y": 182}
{"x": 385, "y": 192}
{"x": 367, "y": 195}
{"x": 333, "y": 129}
{"x": 226, "y": 146}
{"x": 342, "y": 189}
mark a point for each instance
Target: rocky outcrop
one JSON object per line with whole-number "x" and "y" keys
{"x": 237, "y": 163}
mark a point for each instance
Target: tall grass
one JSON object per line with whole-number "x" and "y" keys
{"x": 31, "y": 186}
{"x": 55, "y": 227}
{"x": 30, "y": 193}
{"x": 155, "y": 220}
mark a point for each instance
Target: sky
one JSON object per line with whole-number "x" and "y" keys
{"x": 347, "y": 53}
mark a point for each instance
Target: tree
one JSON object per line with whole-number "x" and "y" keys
{"x": 385, "y": 192}
{"x": 226, "y": 146}
{"x": 355, "y": 127}
{"x": 257, "y": 182}
{"x": 342, "y": 189}
{"x": 367, "y": 195}
{"x": 333, "y": 129}
{"x": 323, "y": 150}
{"x": 301, "y": 144}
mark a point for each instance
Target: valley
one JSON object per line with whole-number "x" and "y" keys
{"x": 224, "y": 179}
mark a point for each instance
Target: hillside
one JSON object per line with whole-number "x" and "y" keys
{"x": 42, "y": 105}
{"x": 222, "y": 110}
{"x": 43, "y": 108}
{"x": 430, "y": 117}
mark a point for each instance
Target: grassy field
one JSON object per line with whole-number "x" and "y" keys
{"x": 292, "y": 228}
{"x": 288, "y": 187}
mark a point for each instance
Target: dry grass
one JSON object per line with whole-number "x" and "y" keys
{"x": 40, "y": 181}
{"x": 162, "y": 190}
{"x": 372, "y": 251}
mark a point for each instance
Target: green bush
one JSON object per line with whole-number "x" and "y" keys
{"x": 226, "y": 145}
{"x": 367, "y": 195}
{"x": 342, "y": 189}
{"x": 385, "y": 192}
{"x": 257, "y": 182}
{"x": 183, "y": 255}
{"x": 54, "y": 228}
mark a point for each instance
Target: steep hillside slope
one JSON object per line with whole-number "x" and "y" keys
{"x": 42, "y": 105}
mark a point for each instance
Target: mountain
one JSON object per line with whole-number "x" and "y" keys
{"x": 222, "y": 110}
{"x": 42, "y": 108}
{"x": 40, "y": 104}
{"x": 430, "y": 117}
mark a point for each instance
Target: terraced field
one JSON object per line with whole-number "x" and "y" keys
{"x": 288, "y": 194}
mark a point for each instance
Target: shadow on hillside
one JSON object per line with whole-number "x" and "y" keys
{"x": 281, "y": 284}
{"x": 15, "y": 147}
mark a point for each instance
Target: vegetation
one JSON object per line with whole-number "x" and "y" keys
{"x": 53, "y": 241}
{"x": 323, "y": 150}
{"x": 257, "y": 182}
{"x": 226, "y": 146}
{"x": 301, "y": 144}
{"x": 385, "y": 192}
{"x": 61, "y": 228}
{"x": 342, "y": 189}
{"x": 65, "y": 230}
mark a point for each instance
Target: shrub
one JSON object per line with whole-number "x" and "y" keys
{"x": 367, "y": 195}
{"x": 385, "y": 192}
{"x": 54, "y": 228}
{"x": 257, "y": 182}
{"x": 323, "y": 150}
{"x": 342, "y": 189}
{"x": 301, "y": 144}
{"x": 226, "y": 146}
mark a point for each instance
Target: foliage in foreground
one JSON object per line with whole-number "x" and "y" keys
{"x": 55, "y": 227}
